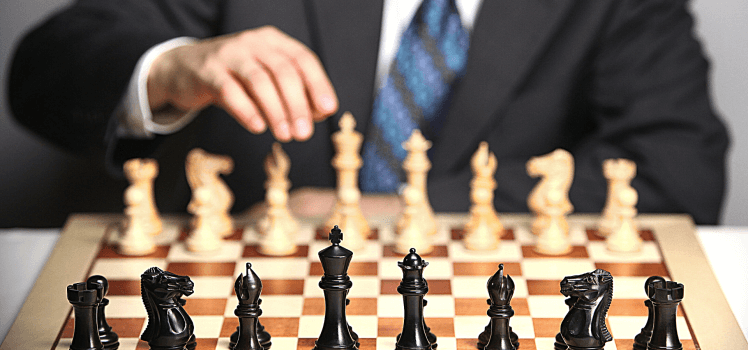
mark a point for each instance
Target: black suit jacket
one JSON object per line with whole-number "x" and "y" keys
{"x": 600, "y": 78}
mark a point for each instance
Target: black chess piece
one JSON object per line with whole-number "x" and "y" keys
{"x": 642, "y": 339}
{"x": 169, "y": 326}
{"x": 560, "y": 344}
{"x": 262, "y": 335}
{"x": 85, "y": 297}
{"x": 335, "y": 259}
{"x": 584, "y": 327}
{"x": 665, "y": 297}
{"x": 429, "y": 335}
{"x": 483, "y": 336}
{"x": 413, "y": 287}
{"x": 248, "y": 288}
{"x": 108, "y": 337}
{"x": 354, "y": 335}
{"x": 500, "y": 291}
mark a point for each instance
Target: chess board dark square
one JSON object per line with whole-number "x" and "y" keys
{"x": 546, "y": 327}
{"x": 281, "y": 287}
{"x": 206, "y": 343}
{"x": 354, "y": 269}
{"x": 485, "y": 268}
{"x": 229, "y": 326}
{"x": 281, "y": 326}
{"x": 322, "y": 234}
{"x": 389, "y": 326}
{"x": 443, "y": 326}
{"x": 634, "y": 269}
{"x": 110, "y": 252}
{"x": 202, "y": 268}
{"x": 436, "y": 287}
{"x": 459, "y": 233}
{"x": 440, "y": 251}
{"x": 124, "y": 287}
{"x": 252, "y": 251}
{"x": 197, "y": 306}
{"x": 543, "y": 287}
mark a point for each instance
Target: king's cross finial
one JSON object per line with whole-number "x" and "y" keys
{"x": 336, "y": 235}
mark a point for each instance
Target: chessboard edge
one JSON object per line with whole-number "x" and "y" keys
{"x": 687, "y": 264}
{"x": 46, "y": 309}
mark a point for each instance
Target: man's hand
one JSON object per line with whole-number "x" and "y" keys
{"x": 262, "y": 77}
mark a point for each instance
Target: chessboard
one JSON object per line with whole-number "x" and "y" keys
{"x": 293, "y": 304}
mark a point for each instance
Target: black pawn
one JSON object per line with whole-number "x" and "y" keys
{"x": 413, "y": 287}
{"x": 85, "y": 297}
{"x": 108, "y": 338}
{"x": 500, "y": 291}
{"x": 248, "y": 288}
{"x": 665, "y": 297}
{"x": 336, "y": 333}
{"x": 642, "y": 339}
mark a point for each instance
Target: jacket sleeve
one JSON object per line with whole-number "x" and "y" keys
{"x": 70, "y": 73}
{"x": 649, "y": 101}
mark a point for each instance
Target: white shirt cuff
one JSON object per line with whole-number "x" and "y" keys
{"x": 136, "y": 119}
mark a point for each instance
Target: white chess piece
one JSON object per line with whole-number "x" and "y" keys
{"x": 349, "y": 218}
{"x": 135, "y": 239}
{"x": 550, "y": 200}
{"x": 203, "y": 238}
{"x": 626, "y": 238}
{"x": 277, "y": 240}
{"x": 347, "y": 162}
{"x": 416, "y": 166}
{"x": 619, "y": 173}
{"x": 413, "y": 233}
{"x": 278, "y": 227}
{"x": 203, "y": 169}
{"x": 483, "y": 230}
{"x": 141, "y": 174}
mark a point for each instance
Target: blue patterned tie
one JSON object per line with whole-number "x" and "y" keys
{"x": 431, "y": 56}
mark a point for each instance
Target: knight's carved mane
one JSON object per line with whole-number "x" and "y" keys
{"x": 148, "y": 303}
{"x": 598, "y": 323}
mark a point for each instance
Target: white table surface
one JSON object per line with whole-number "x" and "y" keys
{"x": 23, "y": 253}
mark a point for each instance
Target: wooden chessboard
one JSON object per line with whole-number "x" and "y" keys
{"x": 293, "y": 304}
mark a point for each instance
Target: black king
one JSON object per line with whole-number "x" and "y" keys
{"x": 335, "y": 335}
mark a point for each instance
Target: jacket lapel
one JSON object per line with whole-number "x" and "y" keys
{"x": 507, "y": 38}
{"x": 347, "y": 41}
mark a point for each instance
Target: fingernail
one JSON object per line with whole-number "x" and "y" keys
{"x": 284, "y": 133}
{"x": 303, "y": 128}
{"x": 258, "y": 125}
{"x": 327, "y": 103}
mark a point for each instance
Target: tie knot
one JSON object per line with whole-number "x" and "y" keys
{"x": 439, "y": 17}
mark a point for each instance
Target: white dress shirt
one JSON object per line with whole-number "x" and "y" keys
{"x": 137, "y": 121}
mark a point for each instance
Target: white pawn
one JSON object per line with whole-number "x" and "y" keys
{"x": 554, "y": 238}
{"x": 626, "y": 239}
{"x": 276, "y": 239}
{"x": 136, "y": 240}
{"x": 413, "y": 233}
{"x": 203, "y": 237}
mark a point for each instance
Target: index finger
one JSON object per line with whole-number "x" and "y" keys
{"x": 319, "y": 89}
